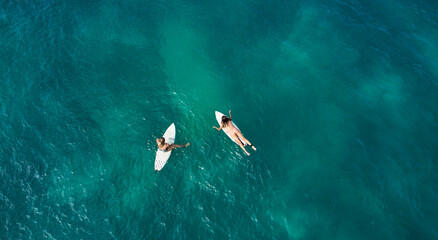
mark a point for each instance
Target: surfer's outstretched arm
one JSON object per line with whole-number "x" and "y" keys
{"x": 220, "y": 128}
{"x": 230, "y": 114}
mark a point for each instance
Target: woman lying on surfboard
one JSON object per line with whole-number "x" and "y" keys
{"x": 234, "y": 132}
{"x": 165, "y": 147}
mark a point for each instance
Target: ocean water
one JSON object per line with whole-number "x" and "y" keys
{"x": 339, "y": 97}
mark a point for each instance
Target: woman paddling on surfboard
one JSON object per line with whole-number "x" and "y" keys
{"x": 165, "y": 147}
{"x": 234, "y": 132}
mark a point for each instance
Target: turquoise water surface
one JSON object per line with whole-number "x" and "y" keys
{"x": 339, "y": 97}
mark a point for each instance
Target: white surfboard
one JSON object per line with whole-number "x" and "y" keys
{"x": 219, "y": 120}
{"x": 162, "y": 157}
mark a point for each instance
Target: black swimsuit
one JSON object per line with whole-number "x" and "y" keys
{"x": 165, "y": 150}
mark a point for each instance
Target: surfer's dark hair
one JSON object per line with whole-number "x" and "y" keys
{"x": 162, "y": 139}
{"x": 225, "y": 119}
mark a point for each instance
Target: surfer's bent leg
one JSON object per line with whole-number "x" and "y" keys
{"x": 240, "y": 135}
{"x": 236, "y": 138}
